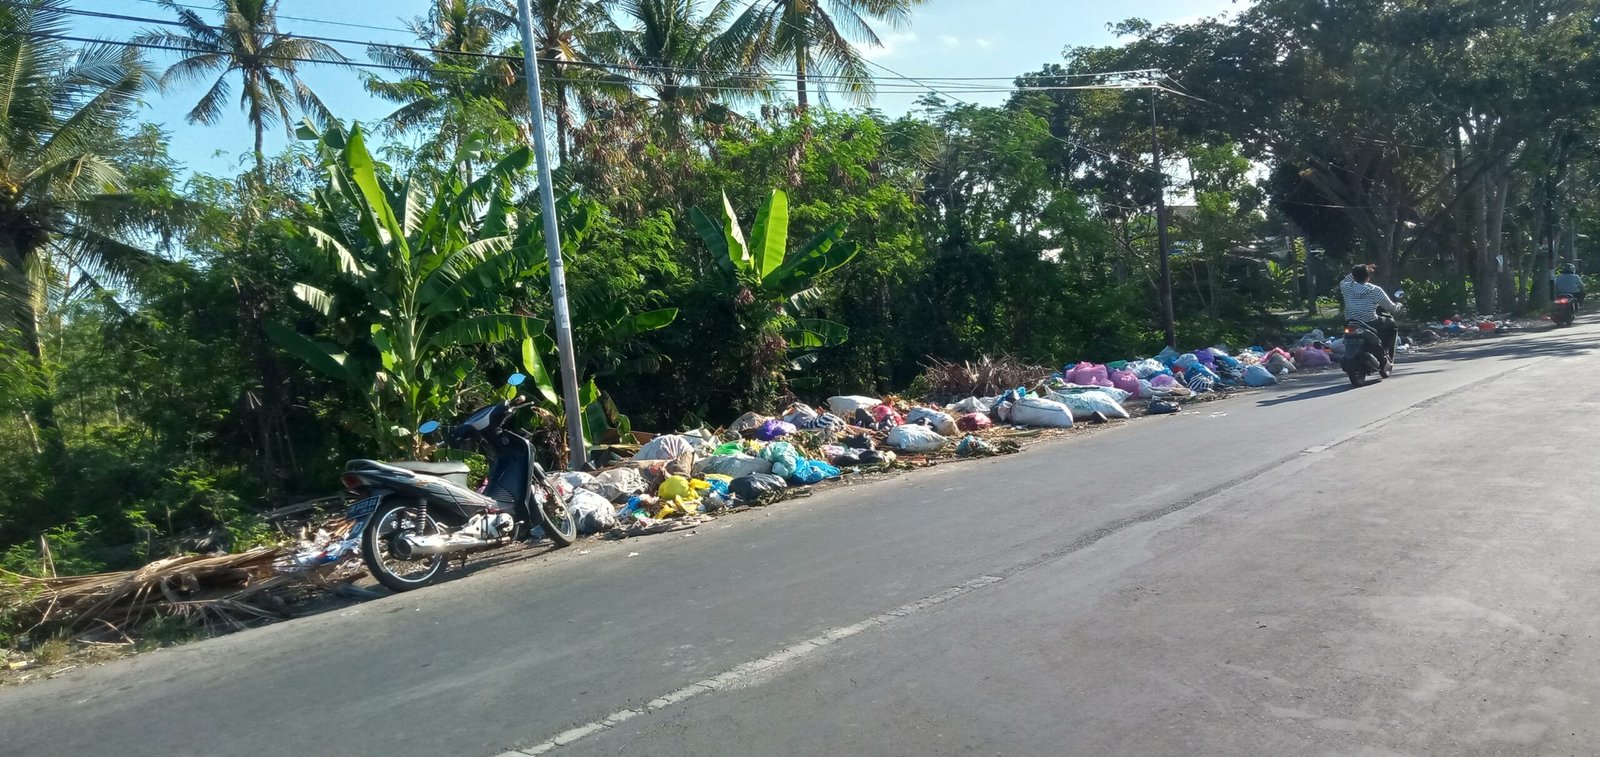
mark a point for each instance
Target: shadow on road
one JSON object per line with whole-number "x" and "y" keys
{"x": 1309, "y": 394}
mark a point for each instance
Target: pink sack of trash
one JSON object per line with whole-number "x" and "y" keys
{"x": 882, "y": 412}
{"x": 974, "y": 422}
{"x": 1125, "y": 380}
{"x": 1311, "y": 357}
{"x": 1088, "y": 374}
{"x": 1162, "y": 379}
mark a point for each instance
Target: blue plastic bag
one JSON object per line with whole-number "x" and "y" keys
{"x": 1258, "y": 375}
{"x": 812, "y": 472}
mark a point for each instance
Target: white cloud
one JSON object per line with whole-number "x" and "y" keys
{"x": 982, "y": 42}
{"x": 949, "y": 41}
{"x": 894, "y": 43}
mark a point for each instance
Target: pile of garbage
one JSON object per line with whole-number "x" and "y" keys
{"x": 758, "y": 459}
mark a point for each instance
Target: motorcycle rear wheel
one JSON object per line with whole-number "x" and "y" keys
{"x": 383, "y": 556}
{"x": 554, "y": 514}
{"x": 1358, "y": 377}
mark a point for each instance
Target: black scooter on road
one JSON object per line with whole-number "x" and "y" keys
{"x": 1565, "y": 310}
{"x": 1365, "y": 353}
{"x": 412, "y": 516}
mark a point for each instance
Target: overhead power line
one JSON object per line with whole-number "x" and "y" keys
{"x": 896, "y": 89}
{"x": 970, "y": 84}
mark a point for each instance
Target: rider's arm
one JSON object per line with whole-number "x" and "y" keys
{"x": 1388, "y": 303}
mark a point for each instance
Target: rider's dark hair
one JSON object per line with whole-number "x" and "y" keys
{"x": 1360, "y": 274}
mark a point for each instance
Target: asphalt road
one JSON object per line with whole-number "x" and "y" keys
{"x": 1409, "y": 568}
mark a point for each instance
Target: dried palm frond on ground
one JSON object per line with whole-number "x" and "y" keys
{"x": 944, "y": 381}
{"x": 218, "y": 590}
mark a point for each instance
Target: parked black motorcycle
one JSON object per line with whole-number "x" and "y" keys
{"x": 1564, "y": 310}
{"x": 412, "y": 516}
{"x": 1365, "y": 353}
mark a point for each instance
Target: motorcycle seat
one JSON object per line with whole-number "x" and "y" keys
{"x": 407, "y": 477}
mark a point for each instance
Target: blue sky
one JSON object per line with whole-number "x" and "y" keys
{"x": 947, "y": 38}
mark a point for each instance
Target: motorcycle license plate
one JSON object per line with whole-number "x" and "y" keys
{"x": 363, "y": 508}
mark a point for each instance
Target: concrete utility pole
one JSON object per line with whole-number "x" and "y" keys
{"x": 577, "y": 453}
{"x": 1161, "y": 228}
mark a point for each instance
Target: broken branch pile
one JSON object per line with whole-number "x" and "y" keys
{"x": 205, "y": 589}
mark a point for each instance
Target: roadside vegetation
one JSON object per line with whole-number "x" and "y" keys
{"x": 182, "y": 352}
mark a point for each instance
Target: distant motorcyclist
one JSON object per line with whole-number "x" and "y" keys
{"x": 1570, "y": 283}
{"x": 1362, "y": 301}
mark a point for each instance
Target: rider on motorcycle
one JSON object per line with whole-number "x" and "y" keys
{"x": 1570, "y": 283}
{"x": 1362, "y": 300}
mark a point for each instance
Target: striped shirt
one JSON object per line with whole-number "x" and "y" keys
{"x": 1361, "y": 301}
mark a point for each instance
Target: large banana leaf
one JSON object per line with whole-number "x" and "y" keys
{"x": 318, "y": 300}
{"x": 481, "y": 266}
{"x": 364, "y": 174}
{"x": 498, "y": 175}
{"x": 738, "y": 249}
{"x": 649, "y": 320}
{"x": 822, "y": 255}
{"x": 715, "y": 241}
{"x": 320, "y": 357}
{"x": 770, "y": 237}
{"x": 543, "y": 382}
{"x": 486, "y": 329}
{"x": 814, "y": 333}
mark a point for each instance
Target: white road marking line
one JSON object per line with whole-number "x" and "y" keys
{"x": 750, "y": 669}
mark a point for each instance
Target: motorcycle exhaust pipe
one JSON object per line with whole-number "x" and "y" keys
{"x": 479, "y": 533}
{"x": 442, "y": 544}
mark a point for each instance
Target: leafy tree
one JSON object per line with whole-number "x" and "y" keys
{"x": 267, "y": 61}
{"x": 60, "y": 193}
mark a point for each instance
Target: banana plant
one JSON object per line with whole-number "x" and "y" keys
{"x": 597, "y": 412}
{"x": 411, "y": 275}
{"x": 760, "y": 270}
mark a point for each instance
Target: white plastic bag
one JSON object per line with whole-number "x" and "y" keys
{"x": 846, "y": 406}
{"x": 592, "y": 512}
{"x": 1118, "y": 396}
{"x": 617, "y": 484}
{"x": 913, "y": 437}
{"x": 1083, "y": 405}
{"x": 937, "y": 420}
{"x": 666, "y": 447}
{"x": 972, "y": 405}
{"x": 575, "y": 479}
{"x": 801, "y": 415}
{"x": 748, "y": 421}
{"x": 1032, "y": 411}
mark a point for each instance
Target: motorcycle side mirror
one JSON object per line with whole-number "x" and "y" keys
{"x": 428, "y": 427}
{"x": 516, "y": 379}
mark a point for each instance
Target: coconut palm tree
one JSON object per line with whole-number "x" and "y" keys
{"x": 247, "y": 42}
{"x": 685, "y": 63}
{"x": 460, "y": 33}
{"x": 819, "y": 37}
{"x": 566, "y": 35}
{"x": 60, "y": 193}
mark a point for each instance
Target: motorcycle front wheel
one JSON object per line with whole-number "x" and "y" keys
{"x": 554, "y": 514}
{"x": 388, "y": 558}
